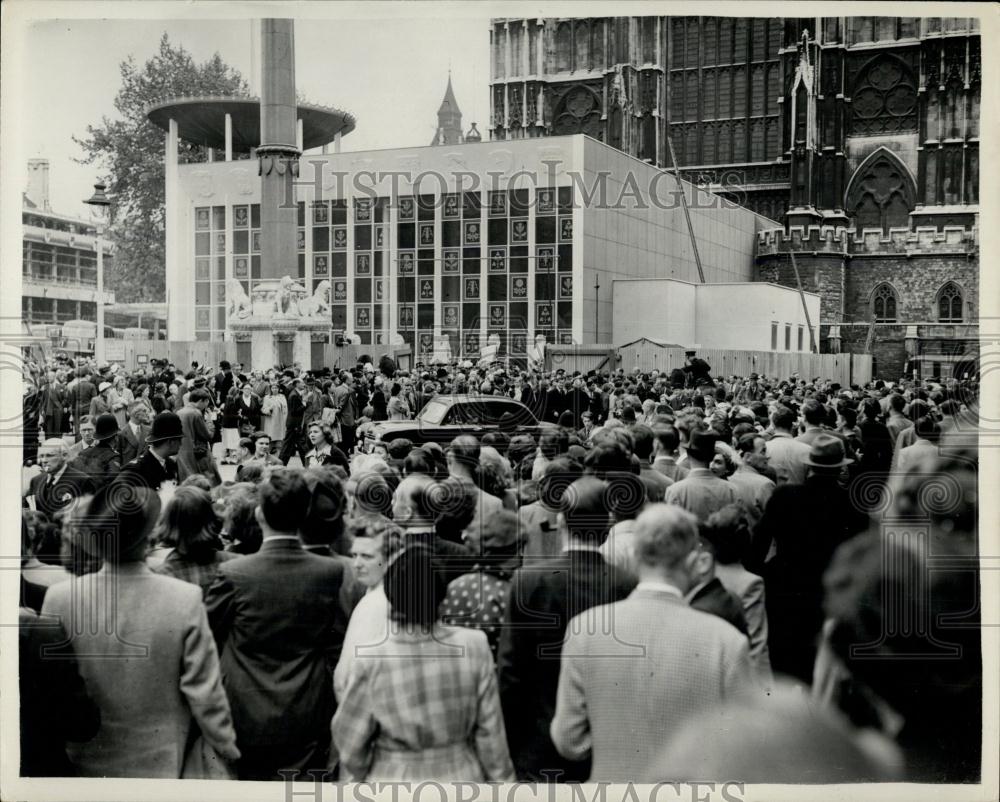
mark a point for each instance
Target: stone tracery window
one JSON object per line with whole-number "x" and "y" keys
{"x": 950, "y": 304}
{"x": 881, "y": 194}
{"x": 884, "y": 99}
{"x": 884, "y": 304}
{"x": 578, "y": 112}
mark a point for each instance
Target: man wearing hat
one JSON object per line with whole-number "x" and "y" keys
{"x": 156, "y": 465}
{"x": 701, "y": 492}
{"x": 805, "y": 523}
{"x": 102, "y": 462}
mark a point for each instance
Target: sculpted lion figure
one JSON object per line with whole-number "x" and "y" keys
{"x": 319, "y": 303}
{"x": 237, "y": 301}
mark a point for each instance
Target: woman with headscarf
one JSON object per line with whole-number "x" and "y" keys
{"x": 453, "y": 729}
{"x": 152, "y": 666}
{"x": 478, "y": 599}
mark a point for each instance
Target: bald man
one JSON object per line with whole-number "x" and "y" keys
{"x": 59, "y": 484}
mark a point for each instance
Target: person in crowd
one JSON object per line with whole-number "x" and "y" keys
{"x": 132, "y": 439}
{"x": 463, "y": 456}
{"x": 420, "y": 505}
{"x": 665, "y": 444}
{"x": 279, "y": 622}
{"x": 553, "y": 589}
{"x": 100, "y": 404}
{"x": 248, "y": 410}
{"x": 374, "y": 542}
{"x": 479, "y": 598}
{"x": 896, "y": 421}
{"x": 240, "y": 527}
{"x": 59, "y": 484}
{"x": 86, "y": 430}
{"x": 324, "y": 451}
{"x": 701, "y": 492}
{"x": 261, "y": 455}
{"x": 397, "y": 408}
{"x": 151, "y": 667}
{"x": 120, "y": 398}
{"x": 157, "y": 463}
{"x": 753, "y": 489}
{"x": 539, "y": 519}
{"x": 655, "y": 481}
{"x": 708, "y": 594}
{"x": 55, "y": 708}
{"x": 625, "y": 688}
{"x": 784, "y": 453}
{"x": 294, "y": 438}
{"x": 926, "y": 434}
{"x": 53, "y": 404}
{"x": 195, "y": 455}
{"x": 101, "y": 462}
{"x": 805, "y": 523}
{"x": 727, "y": 533}
{"x": 453, "y": 729}
{"x": 274, "y": 414}
{"x": 627, "y": 496}
{"x": 230, "y": 426}
{"x": 190, "y": 527}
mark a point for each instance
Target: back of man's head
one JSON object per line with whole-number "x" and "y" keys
{"x": 584, "y": 507}
{"x": 783, "y": 418}
{"x": 464, "y": 451}
{"x": 814, "y": 412}
{"x": 642, "y": 442}
{"x": 897, "y": 402}
{"x": 284, "y": 500}
{"x": 664, "y": 536}
{"x": 667, "y": 438}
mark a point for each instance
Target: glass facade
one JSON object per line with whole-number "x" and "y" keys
{"x": 462, "y": 265}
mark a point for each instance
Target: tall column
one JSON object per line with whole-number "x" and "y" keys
{"x": 229, "y": 137}
{"x": 278, "y": 154}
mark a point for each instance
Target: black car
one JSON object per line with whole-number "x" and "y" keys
{"x": 445, "y": 417}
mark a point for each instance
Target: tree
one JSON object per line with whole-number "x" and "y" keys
{"x": 131, "y": 150}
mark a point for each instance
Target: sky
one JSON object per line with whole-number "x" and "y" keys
{"x": 390, "y": 73}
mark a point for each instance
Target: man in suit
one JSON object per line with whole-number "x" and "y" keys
{"x": 655, "y": 481}
{"x": 293, "y": 440}
{"x": 545, "y": 594}
{"x": 665, "y": 443}
{"x": 279, "y": 623}
{"x": 53, "y": 401}
{"x": 156, "y": 464}
{"x": 701, "y": 492}
{"x": 59, "y": 484}
{"x": 86, "y": 429}
{"x": 224, "y": 380}
{"x": 785, "y": 454}
{"x": 132, "y": 439}
{"x": 195, "y": 455}
{"x": 79, "y": 394}
{"x": 625, "y": 689}
{"x": 102, "y": 462}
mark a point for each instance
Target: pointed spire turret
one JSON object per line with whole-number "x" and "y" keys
{"x": 449, "y": 119}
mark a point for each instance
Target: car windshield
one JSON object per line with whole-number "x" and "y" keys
{"x": 433, "y": 412}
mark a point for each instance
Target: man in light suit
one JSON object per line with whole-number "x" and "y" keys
{"x": 625, "y": 689}
{"x": 132, "y": 438}
{"x": 279, "y": 622}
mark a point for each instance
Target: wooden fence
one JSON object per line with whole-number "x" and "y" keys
{"x": 847, "y": 369}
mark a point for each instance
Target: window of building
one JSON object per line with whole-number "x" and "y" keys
{"x": 950, "y": 304}
{"x": 802, "y": 332}
{"x": 884, "y": 304}
{"x": 788, "y": 337}
{"x": 882, "y": 193}
{"x": 774, "y": 336}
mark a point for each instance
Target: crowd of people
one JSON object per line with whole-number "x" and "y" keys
{"x": 676, "y": 577}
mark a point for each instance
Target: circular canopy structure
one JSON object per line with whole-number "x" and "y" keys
{"x": 202, "y": 121}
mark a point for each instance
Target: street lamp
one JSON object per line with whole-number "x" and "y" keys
{"x": 99, "y": 203}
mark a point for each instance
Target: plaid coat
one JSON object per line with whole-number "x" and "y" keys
{"x": 423, "y": 705}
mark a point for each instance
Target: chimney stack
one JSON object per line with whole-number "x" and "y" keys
{"x": 38, "y": 183}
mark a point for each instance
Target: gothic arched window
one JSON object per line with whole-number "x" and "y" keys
{"x": 881, "y": 194}
{"x": 582, "y": 61}
{"x": 950, "y": 304}
{"x": 884, "y": 304}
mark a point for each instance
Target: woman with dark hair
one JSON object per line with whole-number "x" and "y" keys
{"x": 398, "y": 408}
{"x": 453, "y": 729}
{"x": 240, "y": 525}
{"x": 189, "y": 524}
{"x": 230, "y": 425}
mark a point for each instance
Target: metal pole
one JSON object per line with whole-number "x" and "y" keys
{"x": 597, "y": 307}
{"x": 687, "y": 213}
{"x": 99, "y": 342}
{"x": 805, "y": 309}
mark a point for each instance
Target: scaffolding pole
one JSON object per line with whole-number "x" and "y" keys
{"x": 805, "y": 308}
{"x": 687, "y": 213}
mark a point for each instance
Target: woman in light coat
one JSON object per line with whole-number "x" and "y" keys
{"x": 151, "y": 664}
{"x": 119, "y": 398}
{"x": 274, "y": 410}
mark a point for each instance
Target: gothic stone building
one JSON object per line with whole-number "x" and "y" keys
{"x": 859, "y": 136}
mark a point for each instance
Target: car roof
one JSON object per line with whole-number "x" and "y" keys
{"x": 477, "y": 397}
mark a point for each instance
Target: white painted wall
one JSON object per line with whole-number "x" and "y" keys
{"x": 736, "y": 316}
